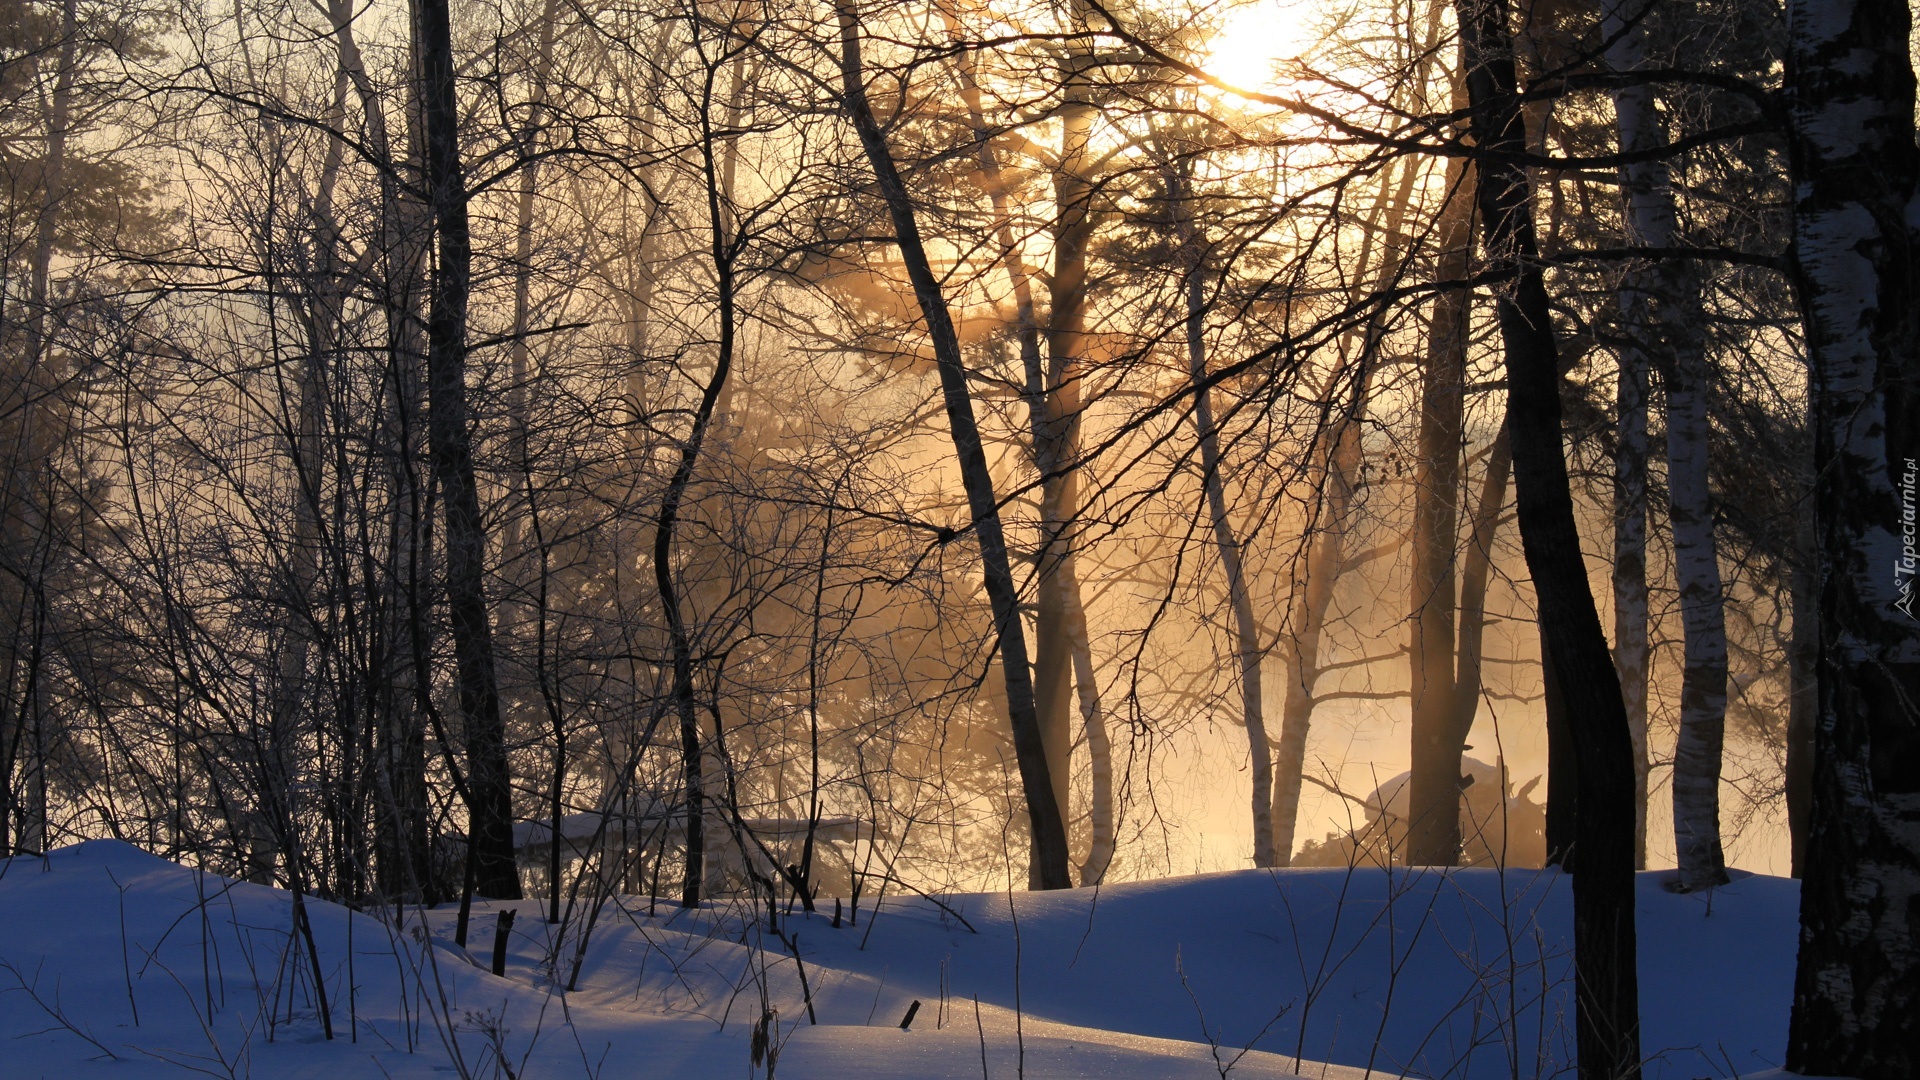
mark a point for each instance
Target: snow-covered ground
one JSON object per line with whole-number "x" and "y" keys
{"x": 114, "y": 963}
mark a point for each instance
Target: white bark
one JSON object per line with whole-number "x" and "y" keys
{"x": 1663, "y": 312}
{"x": 1856, "y": 171}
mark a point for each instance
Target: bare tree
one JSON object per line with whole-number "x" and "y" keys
{"x": 1606, "y": 985}
{"x": 1663, "y": 326}
{"x": 1050, "y": 859}
{"x": 490, "y": 828}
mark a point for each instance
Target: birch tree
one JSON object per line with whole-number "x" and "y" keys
{"x": 1663, "y": 320}
{"x": 1856, "y": 173}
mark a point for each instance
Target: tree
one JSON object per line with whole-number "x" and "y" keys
{"x": 1052, "y": 389}
{"x": 1050, "y": 859}
{"x": 1606, "y": 992}
{"x": 490, "y": 801}
{"x": 1661, "y": 304}
{"x": 1856, "y": 173}
{"x": 71, "y": 200}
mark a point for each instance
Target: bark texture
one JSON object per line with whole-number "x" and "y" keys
{"x": 1856, "y": 174}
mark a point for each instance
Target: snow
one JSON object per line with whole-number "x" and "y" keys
{"x": 1436, "y": 974}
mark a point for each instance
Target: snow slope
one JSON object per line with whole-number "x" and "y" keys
{"x": 1457, "y": 974}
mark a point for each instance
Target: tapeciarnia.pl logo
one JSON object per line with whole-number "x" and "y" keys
{"x": 1904, "y": 567}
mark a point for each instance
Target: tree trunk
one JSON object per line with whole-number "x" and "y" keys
{"x": 1606, "y": 982}
{"x": 1803, "y": 700}
{"x": 26, "y": 491}
{"x": 1100, "y": 823}
{"x": 521, "y": 515}
{"x": 1100, "y": 810}
{"x": 722, "y": 251}
{"x": 1334, "y": 477}
{"x": 1475, "y": 573}
{"x": 1058, "y": 445}
{"x": 1433, "y": 786}
{"x": 642, "y": 280}
{"x": 1246, "y": 630}
{"x": 401, "y": 857}
{"x": 299, "y": 590}
{"x": 1317, "y": 569}
{"x": 1313, "y": 593}
{"x": 1703, "y": 686}
{"x": 1049, "y": 838}
{"x": 1661, "y": 305}
{"x": 490, "y": 808}
{"x": 1563, "y": 765}
{"x": 520, "y": 351}
{"x": 1856, "y": 175}
{"x": 1630, "y": 649}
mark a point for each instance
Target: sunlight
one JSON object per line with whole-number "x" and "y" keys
{"x": 1254, "y": 38}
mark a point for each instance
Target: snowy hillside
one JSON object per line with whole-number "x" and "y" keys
{"x": 116, "y": 964}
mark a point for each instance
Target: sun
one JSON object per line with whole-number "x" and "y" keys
{"x": 1253, "y": 38}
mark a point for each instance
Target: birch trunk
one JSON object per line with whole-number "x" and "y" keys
{"x": 1856, "y": 173}
{"x": 1662, "y": 313}
{"x": 1050, "y": 858}
{"x": 1631, "y": 654}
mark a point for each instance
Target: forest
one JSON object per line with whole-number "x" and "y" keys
{"x": 766, "y": 463}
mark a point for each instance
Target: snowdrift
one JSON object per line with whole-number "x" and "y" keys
{"x": 114, "y": 963}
